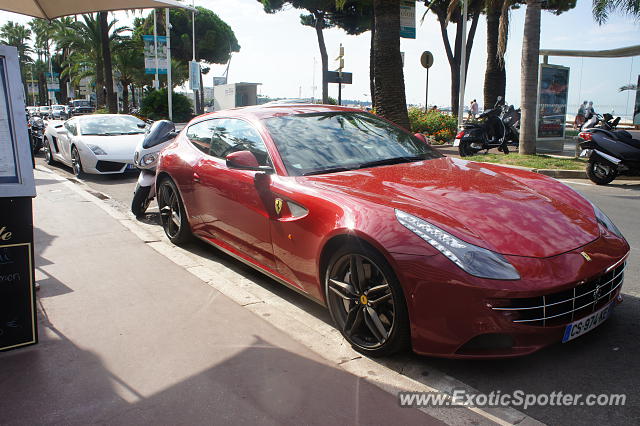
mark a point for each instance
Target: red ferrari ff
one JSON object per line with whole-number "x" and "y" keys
{"x": 403, "y": 245}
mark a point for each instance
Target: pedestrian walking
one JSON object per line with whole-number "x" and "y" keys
{"x": 473, "y": 111}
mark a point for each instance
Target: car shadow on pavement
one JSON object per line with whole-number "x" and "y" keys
{"x": 59, "y": 381}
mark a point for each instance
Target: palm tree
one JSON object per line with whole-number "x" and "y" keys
{"x": 390, "y": 98}
{"x": 129, "y": 64}
{"x": 106, "y": 62}
{"x": 603, "y": 8}
{"x": 529, "y": 76}
{"x": 18, "y": 35}
{"x": 495, "y": 77}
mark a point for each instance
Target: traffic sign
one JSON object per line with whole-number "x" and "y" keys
{"x": 334, "y": 77}
{"x": 426, "y": 59}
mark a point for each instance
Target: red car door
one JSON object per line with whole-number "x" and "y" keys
{"x": 227, "y": 201}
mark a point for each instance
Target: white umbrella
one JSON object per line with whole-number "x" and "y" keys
{"x": 51, "y": 9}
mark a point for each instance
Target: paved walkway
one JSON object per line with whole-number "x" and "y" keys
{"x": 129, "y": 337}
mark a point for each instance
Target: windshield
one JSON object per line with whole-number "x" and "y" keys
{"x": 44, "y": 108}
{"x": 108, "y": 125}
{"x": 81, "y": 103}
{"x": 57, "y": 107}
{"x": 328, "y": 142}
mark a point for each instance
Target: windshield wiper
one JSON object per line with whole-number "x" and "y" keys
{"x": 330, "y": 170}
{"x": 389, "y": 161}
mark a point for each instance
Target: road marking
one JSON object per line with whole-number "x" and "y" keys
{"x": 391, "y": 375}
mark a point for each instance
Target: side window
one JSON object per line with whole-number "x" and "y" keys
{"x": 200, "y": 134}
{"x": 238, "y": 135}
{"x": 71, "y": 128}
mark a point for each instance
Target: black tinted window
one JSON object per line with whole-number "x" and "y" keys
{"x": 317, "y": 142}
{"x": 200, "y": 134}
{"x": 233, "y": 135}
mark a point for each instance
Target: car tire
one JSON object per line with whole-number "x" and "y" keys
{"x": 141, "y": 200}
{"x": 370, "y": 311}
{"x": 76, "y": 162}
{"x": 48, "y": 154}
{"x": 465, "y": 150}
{"x": 172, "y": 213}
{"x": 601, "y": 172}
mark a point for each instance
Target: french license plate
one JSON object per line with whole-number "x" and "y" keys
{"x": 580, "y": 327}
{"x": 456, "y": 142}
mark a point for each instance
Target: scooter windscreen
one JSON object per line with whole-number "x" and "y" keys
{"x": 160, "y": 131}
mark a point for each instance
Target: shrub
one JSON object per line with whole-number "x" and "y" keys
{"x": 435, "y": 124}
{"x": 155, "y": 106}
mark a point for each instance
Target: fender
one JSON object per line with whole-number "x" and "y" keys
{"x": 146, "y": 178}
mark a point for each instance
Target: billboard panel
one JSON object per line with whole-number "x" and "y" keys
{"x": 553, "y": 90}
{"x": 150, "y": 57}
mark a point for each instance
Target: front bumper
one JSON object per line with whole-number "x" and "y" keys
{"x": 452, "y": 313}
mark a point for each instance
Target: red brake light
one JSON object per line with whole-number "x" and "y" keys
{"x": 460, "y": 134}
{"x": 587, "y": 136}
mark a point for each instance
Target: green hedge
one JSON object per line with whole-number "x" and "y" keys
{"x": 435, "y": 124}
{"x": 155, "y": 106}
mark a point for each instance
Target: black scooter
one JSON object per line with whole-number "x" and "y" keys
{"x": 500, "y": 129}
{"x": 610, "y": 152}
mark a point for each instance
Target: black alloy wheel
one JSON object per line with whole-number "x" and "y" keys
{"x": 366, "y": 302}
{"x": 172, "y": 213}
{"x": 601, "y": 172}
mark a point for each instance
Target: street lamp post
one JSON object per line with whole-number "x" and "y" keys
{"x": 463, "y": 63}
{"x": 169, "y": 85}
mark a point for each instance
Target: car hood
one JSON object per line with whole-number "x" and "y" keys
{"x": 118, "y": 145}
{"x": 507, "y": 210}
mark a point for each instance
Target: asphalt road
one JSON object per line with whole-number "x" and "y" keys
{"x": 603, "y": 361}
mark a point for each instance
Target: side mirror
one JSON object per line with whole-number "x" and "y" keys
{"x": 245, "y": 160}
{"x": 499, "y": 98}
{"x": 421, "y": 137}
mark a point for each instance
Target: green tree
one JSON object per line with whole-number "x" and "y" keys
{"x": 603, "y": 8}
{"x": 497, "y": 12}
{"x": 449, "y": 11}
{"x": 129, "y": 66}
{"x": 389, "y": 95}
{"x": 18, "y": 35}
{"x": 352, "y": 16}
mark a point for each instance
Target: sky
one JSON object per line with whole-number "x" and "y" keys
{"x": 282, "y": 55}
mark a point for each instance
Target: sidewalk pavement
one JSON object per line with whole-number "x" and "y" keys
{"x": 129, "y": 337}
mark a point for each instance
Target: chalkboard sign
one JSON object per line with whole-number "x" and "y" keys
{"x": 17, "y": 298}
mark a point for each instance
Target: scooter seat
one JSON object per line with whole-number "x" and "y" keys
{"x": 625, "y": 137}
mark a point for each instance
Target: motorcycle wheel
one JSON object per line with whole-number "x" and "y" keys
{"x": 141, "y": 200}
{"x": 465, "y": 149}
{"x": 601, "y": 172}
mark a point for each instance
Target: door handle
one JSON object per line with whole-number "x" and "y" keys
{"x": 196, "y": 177}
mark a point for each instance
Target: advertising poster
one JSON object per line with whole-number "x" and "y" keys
{"x": 194, "y": 75}
{"x": 407, "y": 18}
{"x": 8, "y": 167}
{"x": 149, "y": 54}
{"x": 636, "y": 109}
{"x": 553, "y": 91}
{"x": 53, "y": 82}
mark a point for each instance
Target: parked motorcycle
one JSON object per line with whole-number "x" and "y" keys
{"x": 36, "y": 127}
{"x": 500, "y": 128}
{"x": 604, "y": 121}
{"x": 610, "y": 152}
{"x": 160, "y": 134}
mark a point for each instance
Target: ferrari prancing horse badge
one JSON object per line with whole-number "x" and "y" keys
{"x": 278, "y": 205}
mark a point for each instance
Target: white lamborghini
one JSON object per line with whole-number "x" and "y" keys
{"x": 97, "y": 144}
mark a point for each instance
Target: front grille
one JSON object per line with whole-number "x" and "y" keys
{"x": 109, "y": 166}
{"x": 563, "y": 307}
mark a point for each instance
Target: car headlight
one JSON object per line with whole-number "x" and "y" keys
{"x": 96, "y": 150}
{"x": 148, "y": 159}
{"x": 474, "y": 260}
{"x": 604, "y": 220}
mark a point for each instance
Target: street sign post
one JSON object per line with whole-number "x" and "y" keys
{"x": 426, "y": 59}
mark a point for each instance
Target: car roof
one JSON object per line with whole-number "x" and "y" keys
{"x": 265, "y": 111}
